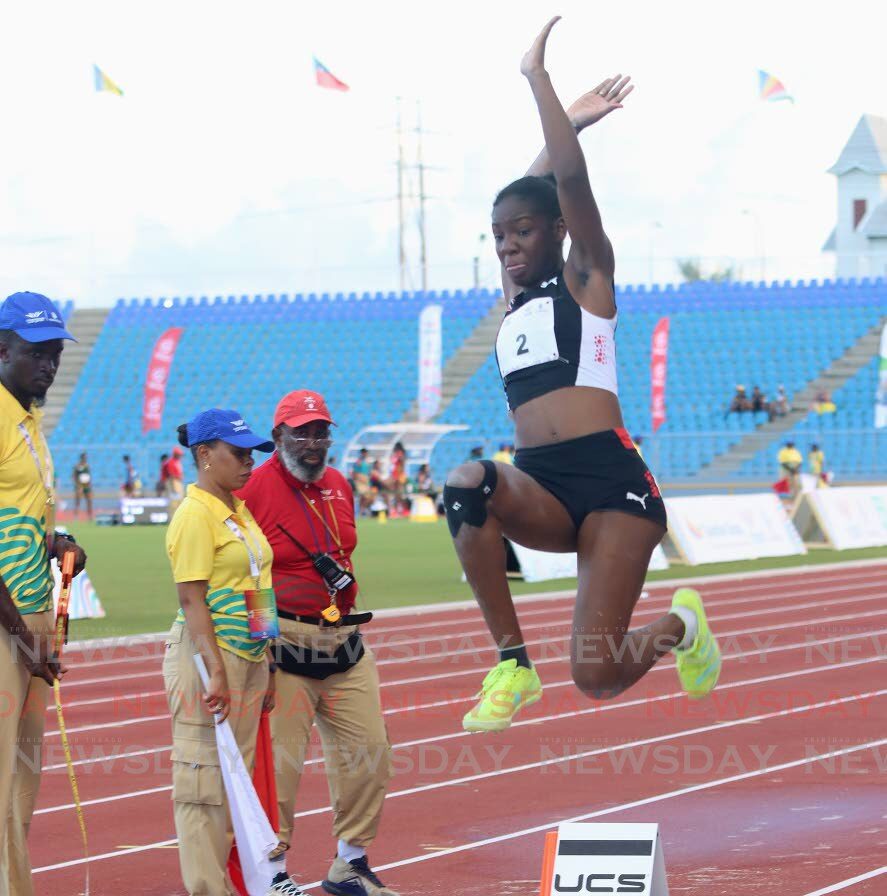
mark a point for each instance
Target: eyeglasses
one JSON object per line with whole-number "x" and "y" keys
{"x": 312, "y": 443}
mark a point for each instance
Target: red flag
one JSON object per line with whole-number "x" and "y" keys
{"x": 658, "y": 363}
{"x": 158, "y": 375}
{"x": 325, "y": 78}
{"x": 266, "y": 789}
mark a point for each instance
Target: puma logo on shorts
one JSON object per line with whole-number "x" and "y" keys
{"x": 631, "y": 496}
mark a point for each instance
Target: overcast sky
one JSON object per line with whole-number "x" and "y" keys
{"x": 224, "y": 169}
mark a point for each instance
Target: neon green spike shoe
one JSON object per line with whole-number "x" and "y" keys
{"x": 506, "y": 689}
{"x": 700, "y": 664}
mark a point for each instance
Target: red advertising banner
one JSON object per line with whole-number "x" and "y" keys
{"x": 658, "y": 366}
{"x": 157, "y": 378}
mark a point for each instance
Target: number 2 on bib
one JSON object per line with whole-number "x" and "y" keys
{"x": 526, "y": 337}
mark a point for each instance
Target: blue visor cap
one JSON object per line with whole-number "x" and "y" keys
{"x": 33, "y": 317}
{"x": 226, "y": 426}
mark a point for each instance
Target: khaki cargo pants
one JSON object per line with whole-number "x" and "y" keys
{"x": 23, "y": 701}
{"x": 348, "y": 711}
{"x": 203, "y": 824}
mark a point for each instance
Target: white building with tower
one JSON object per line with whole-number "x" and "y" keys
{"x": 859, "y": 240}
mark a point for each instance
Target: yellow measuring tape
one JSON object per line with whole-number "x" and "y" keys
{"x": 61, "y": 636}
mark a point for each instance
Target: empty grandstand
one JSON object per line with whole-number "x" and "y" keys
{"x": 361, "y": 351}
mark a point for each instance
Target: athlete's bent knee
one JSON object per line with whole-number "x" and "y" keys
{"x": 467, "y": 475}
{"x": 466, "y": 492}
{"x": 599, "y": 681}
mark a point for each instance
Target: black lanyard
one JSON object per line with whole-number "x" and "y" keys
{"x": 303, "y": 503}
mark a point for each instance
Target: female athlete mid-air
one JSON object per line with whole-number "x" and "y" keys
{"x": 578, "y": 483}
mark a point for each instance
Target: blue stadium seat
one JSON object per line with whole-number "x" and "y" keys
{"x": 721, "y": 335}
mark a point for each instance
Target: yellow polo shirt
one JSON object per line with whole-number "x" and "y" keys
{"x": 789, "y": 457}
{"x": 202, "y": 548}
{"x": 24, "y": 512}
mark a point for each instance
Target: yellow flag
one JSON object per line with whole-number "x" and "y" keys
{"x": 103, "y": 82}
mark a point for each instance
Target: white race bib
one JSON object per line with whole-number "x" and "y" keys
{"x": 84, "y": 478}
{"x": 526, "y": 337}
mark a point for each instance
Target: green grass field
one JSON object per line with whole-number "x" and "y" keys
{"x": 397, "y": 564}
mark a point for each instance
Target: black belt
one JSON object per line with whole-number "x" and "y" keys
{"x": 350, "y": 619}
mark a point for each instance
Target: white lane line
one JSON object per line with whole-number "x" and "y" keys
{"x": 477, "y": 844}
{"x": 456, "y": 735}
{"x": 672, "y": 794}
{"x": 729, "y": 592}
{"x": 474, "y": 649}
{"x": 125, "y": 699}
{"x": 842, "y": 885}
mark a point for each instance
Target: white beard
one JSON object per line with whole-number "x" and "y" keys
{"x": 298, "y": 470}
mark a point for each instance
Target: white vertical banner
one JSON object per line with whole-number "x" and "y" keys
{"x": 430, "y": 361}
{"x": 881, "y": 396}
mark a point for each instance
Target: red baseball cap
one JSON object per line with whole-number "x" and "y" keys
{"x": 300, "y": 407}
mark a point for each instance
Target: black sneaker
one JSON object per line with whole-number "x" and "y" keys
{"x": 283, "y": 886}
{"x": 354, "y": 878}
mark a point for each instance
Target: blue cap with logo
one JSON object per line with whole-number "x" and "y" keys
{"x": 226, "y": 426}
{"x": 33, "y": 317}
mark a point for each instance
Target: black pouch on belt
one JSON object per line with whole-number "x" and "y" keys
{"x": 315, "y": 664}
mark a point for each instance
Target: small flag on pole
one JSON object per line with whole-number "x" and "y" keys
{"x": 103, "y": 82}
{"x": 325, "y": 78}
{"x": 771, "y": 89}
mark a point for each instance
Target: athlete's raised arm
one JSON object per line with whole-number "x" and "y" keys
{"x": 589, "y": 109}
{"x": 590, "y": 263}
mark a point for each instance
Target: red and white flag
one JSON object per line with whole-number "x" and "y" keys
{"x": 658, "y": 367}
{"x": 325, "y": 78}
{"x": 157, "y": 378}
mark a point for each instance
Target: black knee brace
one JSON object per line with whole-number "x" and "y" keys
{"x": 469, "y": 505}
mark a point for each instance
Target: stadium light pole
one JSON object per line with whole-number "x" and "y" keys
{"x": 423, "y": 254}
{"x": 759, "y": 242}
{"x": 654, "y": 226}
{"x": 401, "y": 255}
{"x": 480, "y": 246}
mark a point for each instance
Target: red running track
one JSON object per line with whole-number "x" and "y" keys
{"x": 775, "y": 784}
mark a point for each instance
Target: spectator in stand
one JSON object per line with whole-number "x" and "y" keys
{"x": 160, "y": 485}
{"x": 132, "y": 484}
{"x": 505, "y": 454}
{"x": 360, "y": 480}
{"x": 83, "y": 486}
{"x": 740, "y": 402}
{"x": 758, "y": 400}
{"x": 378, "y": 488}
{"x": 476, "y": 453}
{"x": 175, "y": 478}
{"x": 397, "y": 478}
{"x": 823, "y": 403}
{"x": 779, "y": 406}
{"x": 816, "y": 462}
{"x": 638, "y": 441}
{"x": 790, "y": 462}
{"x": 425, "y": 483}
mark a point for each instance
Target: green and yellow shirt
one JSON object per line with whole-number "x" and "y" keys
{"x": 25, "y": 506}
{"x": 202, "y": 548}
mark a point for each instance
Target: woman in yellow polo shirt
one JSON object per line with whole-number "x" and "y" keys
{"x": 221, "y": 563}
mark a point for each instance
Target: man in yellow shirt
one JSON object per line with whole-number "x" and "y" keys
{"x": 504, "y": 455}
{"x": 790, "y": 461}
{"x": 31, "y": 339}
{"x": 816, "y": 461}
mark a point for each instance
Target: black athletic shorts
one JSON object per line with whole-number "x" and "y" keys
{"x": 602, "y": 471}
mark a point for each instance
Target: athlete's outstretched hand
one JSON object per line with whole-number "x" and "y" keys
{"x": 533, "y": 62}
{"x": 594, "y": 105}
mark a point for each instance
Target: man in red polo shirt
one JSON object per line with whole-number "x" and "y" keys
{"x": 306, "y": 511}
